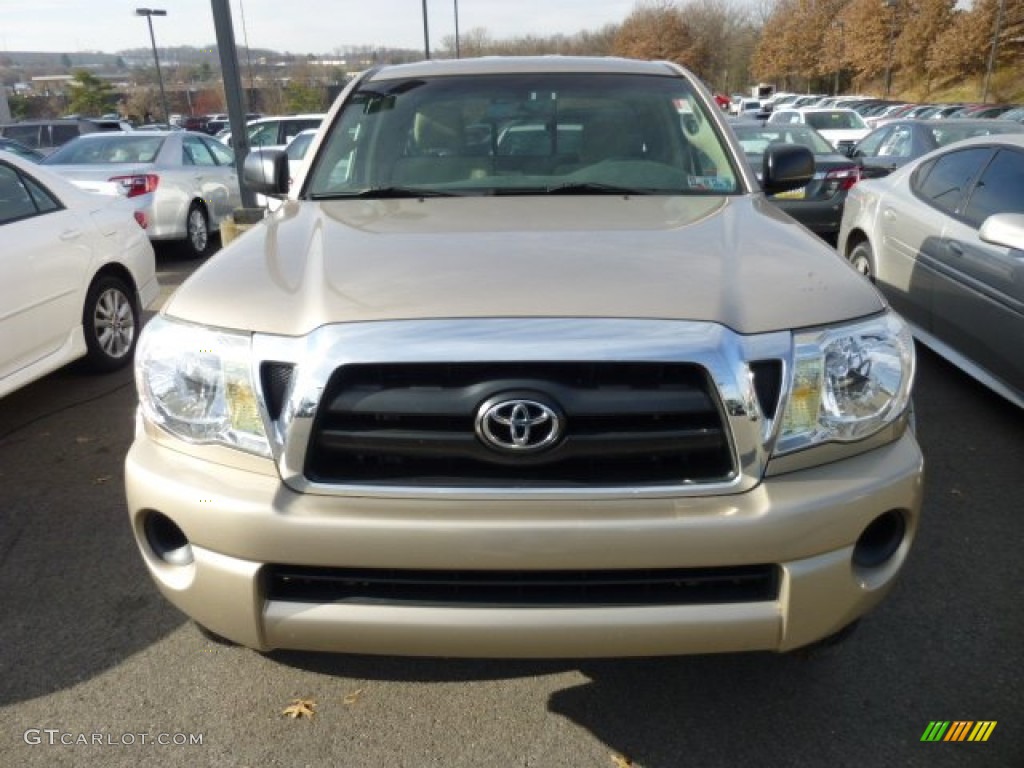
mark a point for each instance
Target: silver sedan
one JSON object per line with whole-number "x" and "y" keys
{"x": 182, "y": 184}
{"x": 943, "y": 238}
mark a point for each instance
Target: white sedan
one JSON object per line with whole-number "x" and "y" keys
{"x": 181, "y": 184}
{"x": 76, "y": 271}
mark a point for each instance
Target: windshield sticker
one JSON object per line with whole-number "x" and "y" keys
{"x": 712, "y": 183}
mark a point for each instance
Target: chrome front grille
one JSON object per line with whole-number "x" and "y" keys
{"x": 646, "y": 407}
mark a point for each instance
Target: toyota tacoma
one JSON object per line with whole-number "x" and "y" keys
{"x": 524, "y": 364}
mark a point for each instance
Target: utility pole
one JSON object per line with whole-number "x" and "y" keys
{"x": 992, "y": 52}
{"x": 839, "y": 63}
{"x": 891, "y": 5}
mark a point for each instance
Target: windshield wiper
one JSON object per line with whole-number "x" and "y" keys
{"x": 383, "y": 193}
{"x": 591, "y": 188}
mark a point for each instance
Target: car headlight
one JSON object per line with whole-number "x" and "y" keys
{"x": 847, "y": 383}
{"x": 197, "y": 384}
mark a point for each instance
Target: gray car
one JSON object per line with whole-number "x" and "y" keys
{"x": 939, "y": 238}
{"x": 182, "y": 184}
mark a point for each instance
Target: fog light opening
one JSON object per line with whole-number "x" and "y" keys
{"x": 880, "y": 540}
{"x": 167, "y": 540}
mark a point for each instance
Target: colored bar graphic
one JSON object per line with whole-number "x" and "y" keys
{"x": 935, "y": 731}
{"x": 982, "y": 730}
{"x": 958, "y": 730}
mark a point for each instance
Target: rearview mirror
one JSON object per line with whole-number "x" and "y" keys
{"x": 265, "y": 171}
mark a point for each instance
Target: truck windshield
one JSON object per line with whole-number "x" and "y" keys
{"x": 523, "y": 134}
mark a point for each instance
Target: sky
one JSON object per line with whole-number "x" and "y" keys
{"x": 295, "y": 26}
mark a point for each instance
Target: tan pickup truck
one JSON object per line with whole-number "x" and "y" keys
{"x": 525, "y": 365}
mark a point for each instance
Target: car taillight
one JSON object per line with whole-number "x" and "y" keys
{"x": 139, "y": 184}
{"x": 843, "y": 178}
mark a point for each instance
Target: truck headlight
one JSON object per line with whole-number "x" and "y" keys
{"x": 197, "y": 384}
{"x": 847, "y": 382}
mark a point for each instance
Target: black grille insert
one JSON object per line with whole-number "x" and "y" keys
{"x": 510, "y": 589}
{"x": 414, "y": 425}
{"x": 767, "y": 384}
{"x": 276, "y": 379}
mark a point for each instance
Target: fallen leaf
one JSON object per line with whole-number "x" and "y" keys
{"x": 81, "y": 440}
{"x": 622, "y": 762}
{"x": 956, "y": 492}
{"x": 353, "y": 697}
{"x": 300, "y": 708}
{"x": 101, "y": 479}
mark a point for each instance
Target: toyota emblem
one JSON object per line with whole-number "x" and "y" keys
{"x": 518, "y": 425}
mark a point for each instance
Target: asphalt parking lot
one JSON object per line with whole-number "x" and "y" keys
{"x": 96, "y": 669}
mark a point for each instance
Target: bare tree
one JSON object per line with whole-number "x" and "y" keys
{"x": 656, "y": 29}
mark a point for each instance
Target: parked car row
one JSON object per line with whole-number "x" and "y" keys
{"x": 867, "y": 153}
{"x": 181, "y": 183}
{"x": 932, "y": 211}
{"x": 873, "y": 110}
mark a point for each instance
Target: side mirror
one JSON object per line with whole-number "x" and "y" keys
{"x": 786, "y": 167}
{"x": 265, "y": 171}
{"x": 1006, "y": 229}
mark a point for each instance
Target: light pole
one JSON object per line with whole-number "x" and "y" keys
{"x": 426, "y": 32}
{"x": 149, "y": 13}
{"x": 891, "y": 5}
{"x": 457, "y": 53}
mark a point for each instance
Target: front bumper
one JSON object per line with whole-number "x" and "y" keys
{"x": 238, "y": 522}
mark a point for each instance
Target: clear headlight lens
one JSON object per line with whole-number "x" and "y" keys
{"x": 197, "y": 383}
{"x": 847, "y": 383}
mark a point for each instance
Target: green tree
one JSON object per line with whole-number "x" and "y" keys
{"x": 303, "y": 97}
{"x": 65, "y": 61}
{"x": 90, "y": 95}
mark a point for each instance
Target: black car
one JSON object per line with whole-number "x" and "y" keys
{"x": 819, "y": 204}
{"x": 895, "y": 144}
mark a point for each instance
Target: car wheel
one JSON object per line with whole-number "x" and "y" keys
{"x": 197, "y": 231}
{"x": 110, "y": 321}
{"x": 863, "y": 260}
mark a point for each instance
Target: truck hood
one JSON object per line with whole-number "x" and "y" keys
{"x": 737, "y": 261}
